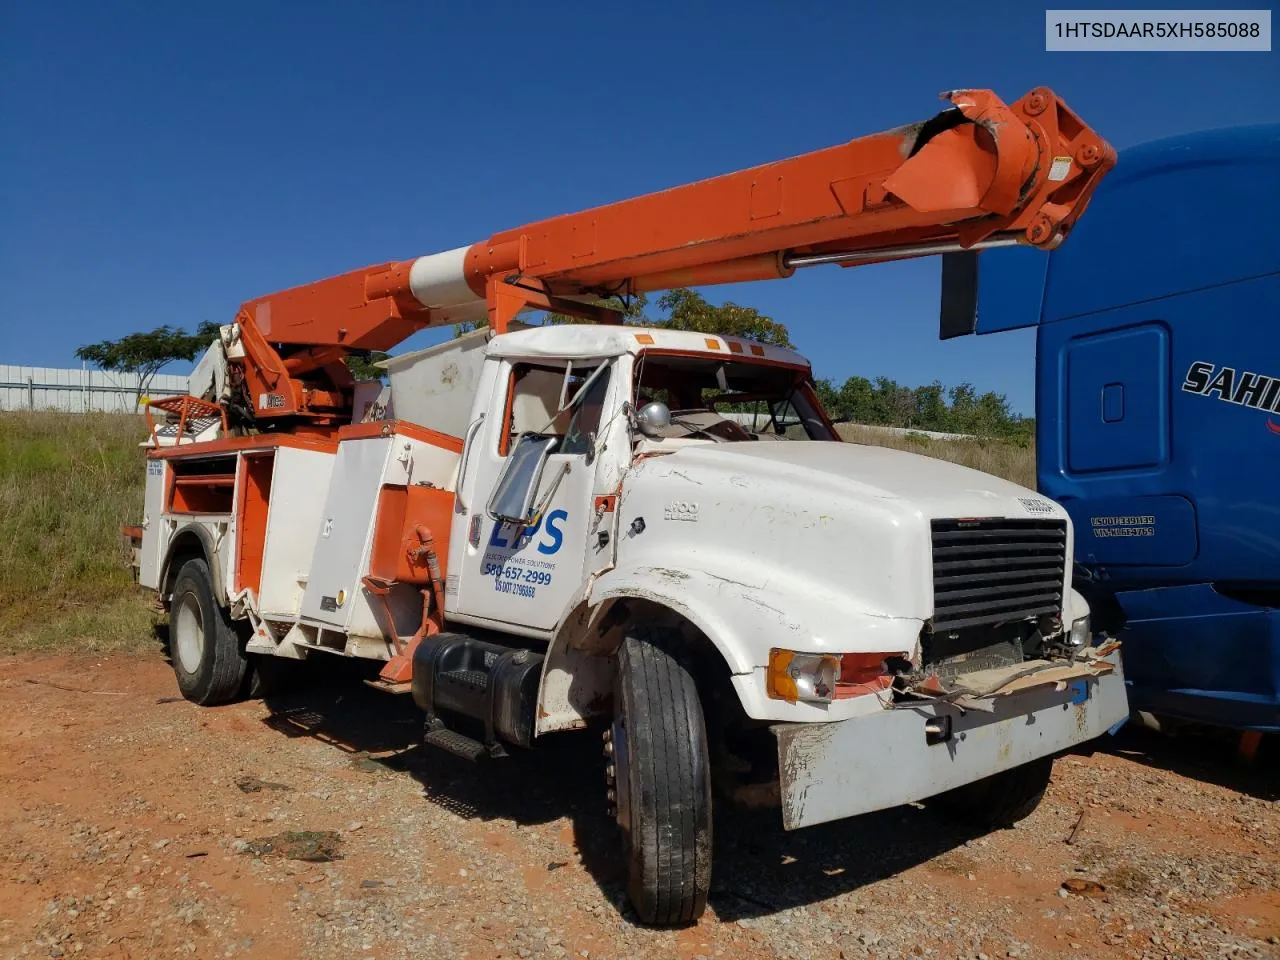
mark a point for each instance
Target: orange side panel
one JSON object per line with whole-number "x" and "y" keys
{"x": 402, "y": 512}
{"x": 385, "y": 428}
{"x": 384, "y": 560}
{"x": 200, "y": 487}
{"x": 251, "y": 519}
{"x": 261, "y": 441}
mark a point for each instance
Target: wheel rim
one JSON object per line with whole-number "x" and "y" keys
{"x": 620, "y": 782}
{"x": 188, "y": 633}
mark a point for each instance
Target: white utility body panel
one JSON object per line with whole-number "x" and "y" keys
{"x": 299, "y": 483}
{"x": 333, "y": 597}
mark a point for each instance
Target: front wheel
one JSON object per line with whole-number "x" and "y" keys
{"x": 208, "y": 657}
{"x": 661, "y": 779}
{"x": 1002, "y": 799}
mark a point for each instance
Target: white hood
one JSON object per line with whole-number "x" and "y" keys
{"x": 937, "y": 488}
{"x": 844, "y": 525}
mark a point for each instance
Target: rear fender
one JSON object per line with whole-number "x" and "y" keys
{"x": 197, "y": 539}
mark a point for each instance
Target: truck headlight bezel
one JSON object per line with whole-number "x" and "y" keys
{"x": 795, "y": 676}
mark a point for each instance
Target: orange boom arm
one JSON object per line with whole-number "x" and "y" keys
{"x": 979, "y": 174}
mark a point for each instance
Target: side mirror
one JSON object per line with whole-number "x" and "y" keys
{"x": 653, "y": 418}
{"x": 517, "y": 487}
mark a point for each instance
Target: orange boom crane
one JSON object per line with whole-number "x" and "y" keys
{"x": 979, "y": 174}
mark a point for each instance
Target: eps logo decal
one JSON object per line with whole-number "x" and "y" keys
{"x": 1242, "y": 388}
{"x": 550, "y": 527}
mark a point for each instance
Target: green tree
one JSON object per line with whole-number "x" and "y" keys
{"x": 688, "y": 310}
{"x": 683, "y": 309}
{"x": 882, "y": 401}
{"x": 632, "y": 310}
{"x": 963, "y": 415}
{"x": 146, "y": 354}
{"x": 362, "y": 365}
{"x": 857, "y": 400}
{"x": 897, "y": 402}
{"x": 829, "y": 397}
{"x": 930, "y": 407}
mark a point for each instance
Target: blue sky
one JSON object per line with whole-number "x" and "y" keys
{"x": 162, "y": 163}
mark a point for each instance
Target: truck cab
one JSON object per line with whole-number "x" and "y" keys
{"x": 557, "y": 418}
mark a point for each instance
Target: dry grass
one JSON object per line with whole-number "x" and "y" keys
{"x": 990, "y": 456}
{"x": 67, "y": 484}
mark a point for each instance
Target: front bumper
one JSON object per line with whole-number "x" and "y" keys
{"x": 833, "y": 770}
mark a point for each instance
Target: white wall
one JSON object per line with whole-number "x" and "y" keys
{"x": 77, "y": 391}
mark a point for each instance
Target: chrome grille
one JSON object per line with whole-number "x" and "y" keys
{"x": 994, "y": 571}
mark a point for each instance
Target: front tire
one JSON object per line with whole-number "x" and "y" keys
{"x": 1002, "y": 799}
{"x": 662, "y": 780}
{"x": 208, "y": 657}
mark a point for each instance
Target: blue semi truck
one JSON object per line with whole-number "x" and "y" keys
{"x": 1158, "y": 412}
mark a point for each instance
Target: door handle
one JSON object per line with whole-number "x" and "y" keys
{"x": 466, "y": 458}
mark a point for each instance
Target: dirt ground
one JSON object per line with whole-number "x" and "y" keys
{"x": 134, "y": 824}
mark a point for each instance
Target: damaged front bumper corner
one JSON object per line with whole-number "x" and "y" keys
{"x": 911, "y": 751}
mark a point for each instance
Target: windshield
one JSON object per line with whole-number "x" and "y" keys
{"x": 730, "y": 400}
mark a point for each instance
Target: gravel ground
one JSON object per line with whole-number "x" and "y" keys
{"x": 136, "y": 825}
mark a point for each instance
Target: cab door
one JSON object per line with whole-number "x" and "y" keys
{"x": 523, "y": 575}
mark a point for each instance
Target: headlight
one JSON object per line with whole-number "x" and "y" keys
{"x": 823, "y": 677}
{"x": 1081, "y": 632}
{"x": 803, "y": 676}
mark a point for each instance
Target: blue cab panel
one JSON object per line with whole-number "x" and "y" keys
{"x": 1134, "y": 531}
{"x": 1010, "y": 288}
{"x": 1158, "y": 415}
{"x": 1191, "y": 653}
{"x": 1116, "y": 399}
